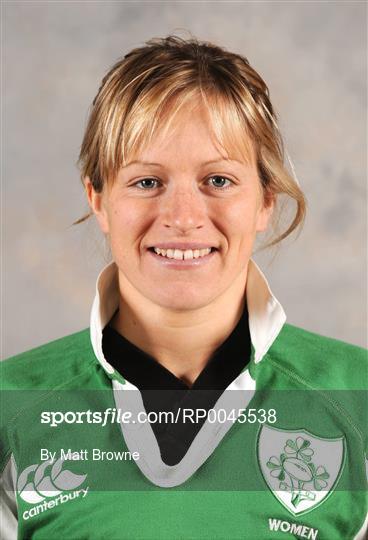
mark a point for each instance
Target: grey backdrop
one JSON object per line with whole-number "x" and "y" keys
{"x": 313, "y": 56}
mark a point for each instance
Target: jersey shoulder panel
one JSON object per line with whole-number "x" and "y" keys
{"x": 67, "y": 363}
{"x": 323, "y": 362}
{"x": 48, "y": 365}
{"x": 317, "y": 365}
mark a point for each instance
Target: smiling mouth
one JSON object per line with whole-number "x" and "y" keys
{"x": 180, "y": 254}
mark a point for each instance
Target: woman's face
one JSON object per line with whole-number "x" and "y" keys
{"x": 184, "y": 198}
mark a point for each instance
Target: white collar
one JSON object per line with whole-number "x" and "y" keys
{"x": 266, "y": 315}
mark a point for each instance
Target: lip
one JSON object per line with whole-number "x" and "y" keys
{"x": 182, "y": 245}
{"x": 184, "y": 263}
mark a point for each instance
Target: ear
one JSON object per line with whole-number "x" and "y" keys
{"x": 265, "y": 212}
{"x": 96, "y": 203}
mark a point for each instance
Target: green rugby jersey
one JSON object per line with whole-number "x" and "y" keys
{"x": 281, "y": 454}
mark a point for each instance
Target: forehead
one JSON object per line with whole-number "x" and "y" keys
{"x": 190, "y": 128}
{"x": 188, "y": 133}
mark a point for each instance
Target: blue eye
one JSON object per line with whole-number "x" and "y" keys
{"x": 220, "y": 182}
{"x": 147, "y": 183}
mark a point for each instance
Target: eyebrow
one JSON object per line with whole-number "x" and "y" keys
{"x": 212, "y": 161}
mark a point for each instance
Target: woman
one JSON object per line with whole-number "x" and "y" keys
{"x": 182, "y": 163}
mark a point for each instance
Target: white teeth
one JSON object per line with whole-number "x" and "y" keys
{"x": 179, "y": 254}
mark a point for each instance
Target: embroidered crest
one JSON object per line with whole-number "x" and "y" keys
{"x": 300, "y": 468}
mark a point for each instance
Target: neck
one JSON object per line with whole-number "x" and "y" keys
{"x": 182, "y": 342}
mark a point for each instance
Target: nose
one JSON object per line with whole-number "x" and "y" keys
{"x": 183, "y": 208}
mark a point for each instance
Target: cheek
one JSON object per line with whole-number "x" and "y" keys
{"x": 127, "y": 224}
{"x": 238, "y": 218}
{"x": 122, "y": 216}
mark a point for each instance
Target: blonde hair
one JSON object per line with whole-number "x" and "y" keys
{"x": 136, "y": 98}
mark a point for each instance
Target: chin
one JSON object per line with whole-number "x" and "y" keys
{"x": 185, "y": 300}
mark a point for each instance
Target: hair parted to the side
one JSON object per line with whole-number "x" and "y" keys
{"x": 144, "y": 90}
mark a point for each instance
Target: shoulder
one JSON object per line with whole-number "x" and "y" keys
{"x": 35, "y": 376}
{"x": 332, "y": 375}
{"x": 48, "y": 365}
{"x": 327, "y": 362}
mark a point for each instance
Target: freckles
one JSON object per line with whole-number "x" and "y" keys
{"x": 124, "y": 215}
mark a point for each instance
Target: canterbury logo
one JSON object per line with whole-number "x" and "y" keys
{"x": 38, "y": 482}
